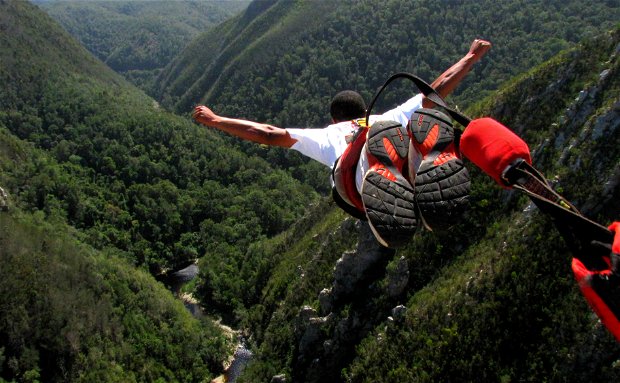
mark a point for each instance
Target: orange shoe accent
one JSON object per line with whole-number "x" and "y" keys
{"x": 387, "y": 147}
{"x": 400, "y": 135}
{"x": 447, "y": 155}
{"x": 385, "y": 173}
{"x": 391, "y": 151}
{"x": 429, "y": 142}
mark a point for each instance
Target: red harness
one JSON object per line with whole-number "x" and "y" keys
{"x": 344, "y": 172}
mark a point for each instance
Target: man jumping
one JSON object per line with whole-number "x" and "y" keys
{"x": 390, "y": 162}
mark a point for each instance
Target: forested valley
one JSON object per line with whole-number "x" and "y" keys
{"x": 111, "y": 189}
{"x": 138, "y": 38}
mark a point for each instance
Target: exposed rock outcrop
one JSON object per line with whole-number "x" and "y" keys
{"x": 4, "y": 200}
{"x": 347, "y": 314}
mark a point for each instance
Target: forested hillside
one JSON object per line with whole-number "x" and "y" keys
{"x": 138, "y": 38}
{"x": 282, "y": 61}
{"x": 126, "y": 173}
{"x": 73, "y": 314}
{"x": 107, "y": 190}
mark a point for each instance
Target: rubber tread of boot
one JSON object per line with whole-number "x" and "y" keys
{"x": 390, "y": 209}
{"x": 442, "y": 193}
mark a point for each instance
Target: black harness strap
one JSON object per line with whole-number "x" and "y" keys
{"x": 581, "y": 233}
{"x": 427, "y": 91}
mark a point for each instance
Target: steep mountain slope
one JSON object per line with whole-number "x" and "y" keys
{"x": 72, "y": 314}
{"x": 138, "y": 38}
{"x": 151, "y": 184}
{"x": 285, "y": 62}
{"x": 252, "y": 38}
{"x": 493, "y": 299}
{"x": 33, "y": 47}
{"x": 80, "y": 146}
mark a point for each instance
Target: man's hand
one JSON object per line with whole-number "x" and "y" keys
{"x": 479, "y": 48}
{"x": 451, "y": 77}
{"x": 205, "y": 116}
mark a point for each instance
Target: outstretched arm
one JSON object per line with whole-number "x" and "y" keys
{"x": 448, "y": 80}
{"x": 247, "y": 130}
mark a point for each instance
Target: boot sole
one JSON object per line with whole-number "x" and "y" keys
{"x": 397, "y": 137}
{"x": 390, "y": 209}
{"x": 442, "y": 191}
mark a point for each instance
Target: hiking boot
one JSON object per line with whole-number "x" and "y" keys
{"x": 441, "y": 181}
{"x": 387, "y": 195}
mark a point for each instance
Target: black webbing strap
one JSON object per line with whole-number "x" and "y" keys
{"x": 525, "y": 177}
{"x": 578, "y": 231}
{"x": 427, "y": 91}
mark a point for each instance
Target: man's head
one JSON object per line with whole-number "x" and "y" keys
{"x": 347, "y": 105}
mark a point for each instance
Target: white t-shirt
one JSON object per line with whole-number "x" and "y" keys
{"x": 326, "y": 145}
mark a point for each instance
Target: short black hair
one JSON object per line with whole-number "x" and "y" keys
{"x": 347, "y": 105}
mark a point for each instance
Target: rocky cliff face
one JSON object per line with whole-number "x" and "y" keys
{"x": 4, "y": 200}
{"x": 326, "y": 338}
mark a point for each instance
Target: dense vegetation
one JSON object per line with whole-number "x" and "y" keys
{"x": 285, "y": 72}
{"x": 132, "y": 37}
{"x": 137, "y": 186}
{"x": 282, "y": 61}
{"x": 126, "y": 173}
{"x": 334, "y": 49}
{"x": 72, "y": 314}
{"x": 101, "y": 179}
